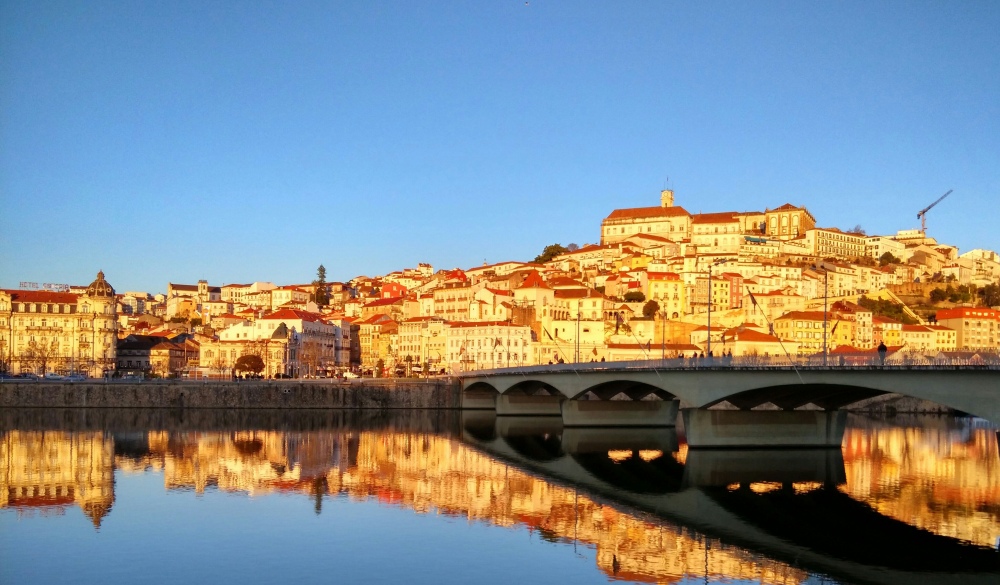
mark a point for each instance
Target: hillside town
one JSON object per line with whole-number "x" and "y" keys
{"x": 661, "y": 283}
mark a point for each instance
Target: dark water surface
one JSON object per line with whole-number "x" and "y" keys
{"x": 127, "y": 496}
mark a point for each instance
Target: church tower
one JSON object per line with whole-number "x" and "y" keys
{"x": 666, "y": 198}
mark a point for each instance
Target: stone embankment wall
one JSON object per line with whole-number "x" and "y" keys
{"x": 353, "y": 394}
{"x": 897, "y": 403}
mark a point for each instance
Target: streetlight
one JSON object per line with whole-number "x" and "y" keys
{"x": 708, "y": 347}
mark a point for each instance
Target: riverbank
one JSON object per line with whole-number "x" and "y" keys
{"x": 373, "y": 393}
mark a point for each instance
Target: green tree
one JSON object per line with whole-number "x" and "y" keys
{"x": 249, "y": 363}
{"x": 634, "y": 296}
{"x": 550, "y": 252}
{"x": 887, "y": 308}
{"x": 650, "y": 308}
{"x": 320, "y": 294}
{"x": 990, "y": 295}
{"x": 888, "y": 258}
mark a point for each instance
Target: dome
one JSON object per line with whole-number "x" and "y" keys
{"x": 100, "y": 287}
{"x": 281, "y": 332}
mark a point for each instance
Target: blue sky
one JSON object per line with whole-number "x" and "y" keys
{"x": 235, "y": 141}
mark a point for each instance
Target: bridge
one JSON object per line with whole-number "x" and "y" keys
{"x": 819, "y": 528}
{"x": 768, "y": 405}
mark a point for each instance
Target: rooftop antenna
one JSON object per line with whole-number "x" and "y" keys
{"x": 922, "y": 214}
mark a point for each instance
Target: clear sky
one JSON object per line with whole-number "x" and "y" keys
{"x": 242, "y": 141}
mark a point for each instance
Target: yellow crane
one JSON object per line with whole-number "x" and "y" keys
{"x": 921, "y": 215}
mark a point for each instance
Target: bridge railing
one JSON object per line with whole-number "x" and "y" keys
{"x": 840, "y": 361}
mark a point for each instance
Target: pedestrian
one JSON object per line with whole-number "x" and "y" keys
{"x": 882, "y": 350}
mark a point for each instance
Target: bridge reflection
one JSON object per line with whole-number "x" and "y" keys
{"x": 791, "y": 504}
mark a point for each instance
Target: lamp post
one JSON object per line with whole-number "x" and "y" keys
{"x": 708, "y": 347}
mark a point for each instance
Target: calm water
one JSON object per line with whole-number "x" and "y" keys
{"x": 156, "y": 497}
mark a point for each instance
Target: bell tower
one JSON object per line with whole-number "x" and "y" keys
{"x": 667, "y": 198}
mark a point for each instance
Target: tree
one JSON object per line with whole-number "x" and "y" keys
{"x": 990, "y": 295}
{"x": 218, "y": 364}
{"x": 886, "y": 308}
{"x": 650, "y": 308}
{"x": 249, "y": 363}
{"x": 320, "y": 295}
{"x": 311, "y": 356}
{"x": 937, "y": 295}
{"x": 888, "y": 258}
{"x": 634, "y": 296}
{"x": 572, "y": 248}
{"x": 856, "y": 230}
{"x": 550, "y": 252}
{"x": 38, "y": 354}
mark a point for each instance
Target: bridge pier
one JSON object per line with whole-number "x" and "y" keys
{"x": 620, "y": 413}
{"x": 764, "y": 428}
{"x": 479, "y": 399}
{"x": 722, "y": 467}
{"x": 525, "y": 405}
{"x": 578, "y": 440}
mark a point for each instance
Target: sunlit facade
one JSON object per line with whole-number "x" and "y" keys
{"x": 55, "y": 332}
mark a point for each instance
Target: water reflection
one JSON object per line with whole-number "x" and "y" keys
{"x": 941, "y": 474}
{"x": 901, "y": 497}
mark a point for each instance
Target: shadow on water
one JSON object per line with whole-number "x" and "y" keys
{"x": 788, "y": 504}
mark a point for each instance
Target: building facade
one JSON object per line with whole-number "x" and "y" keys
{"x": 51, "y": 332}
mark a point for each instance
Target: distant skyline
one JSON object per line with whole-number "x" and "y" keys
{"x": 236, "y": 142}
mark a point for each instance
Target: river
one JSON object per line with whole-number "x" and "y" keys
{"x": 125, "y": 496}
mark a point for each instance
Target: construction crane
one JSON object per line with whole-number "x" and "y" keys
{"x": 922, "y": 215}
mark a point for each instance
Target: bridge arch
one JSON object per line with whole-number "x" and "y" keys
{"x": 635, "y": 390}
{"x": 532, "y": 387}
{"x": 792, "y": 396}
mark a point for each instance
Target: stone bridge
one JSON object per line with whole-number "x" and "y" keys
{"x": 798, "y": 406}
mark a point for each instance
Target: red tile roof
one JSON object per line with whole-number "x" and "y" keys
{"x": 294, "y": 314}
{"x": 534, "y": 280}
{"x": 40, "y": 296}
{"x": 647, "y": 212}
{"x": 967, "y": 312}
{"x": 384, "y": 302}
{"x": 663, "y": 276}
{"x": 722, "y": 217}
{"x": 577, "y": 293}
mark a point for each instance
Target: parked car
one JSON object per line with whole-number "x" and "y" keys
{"x": 351, "y": 375}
